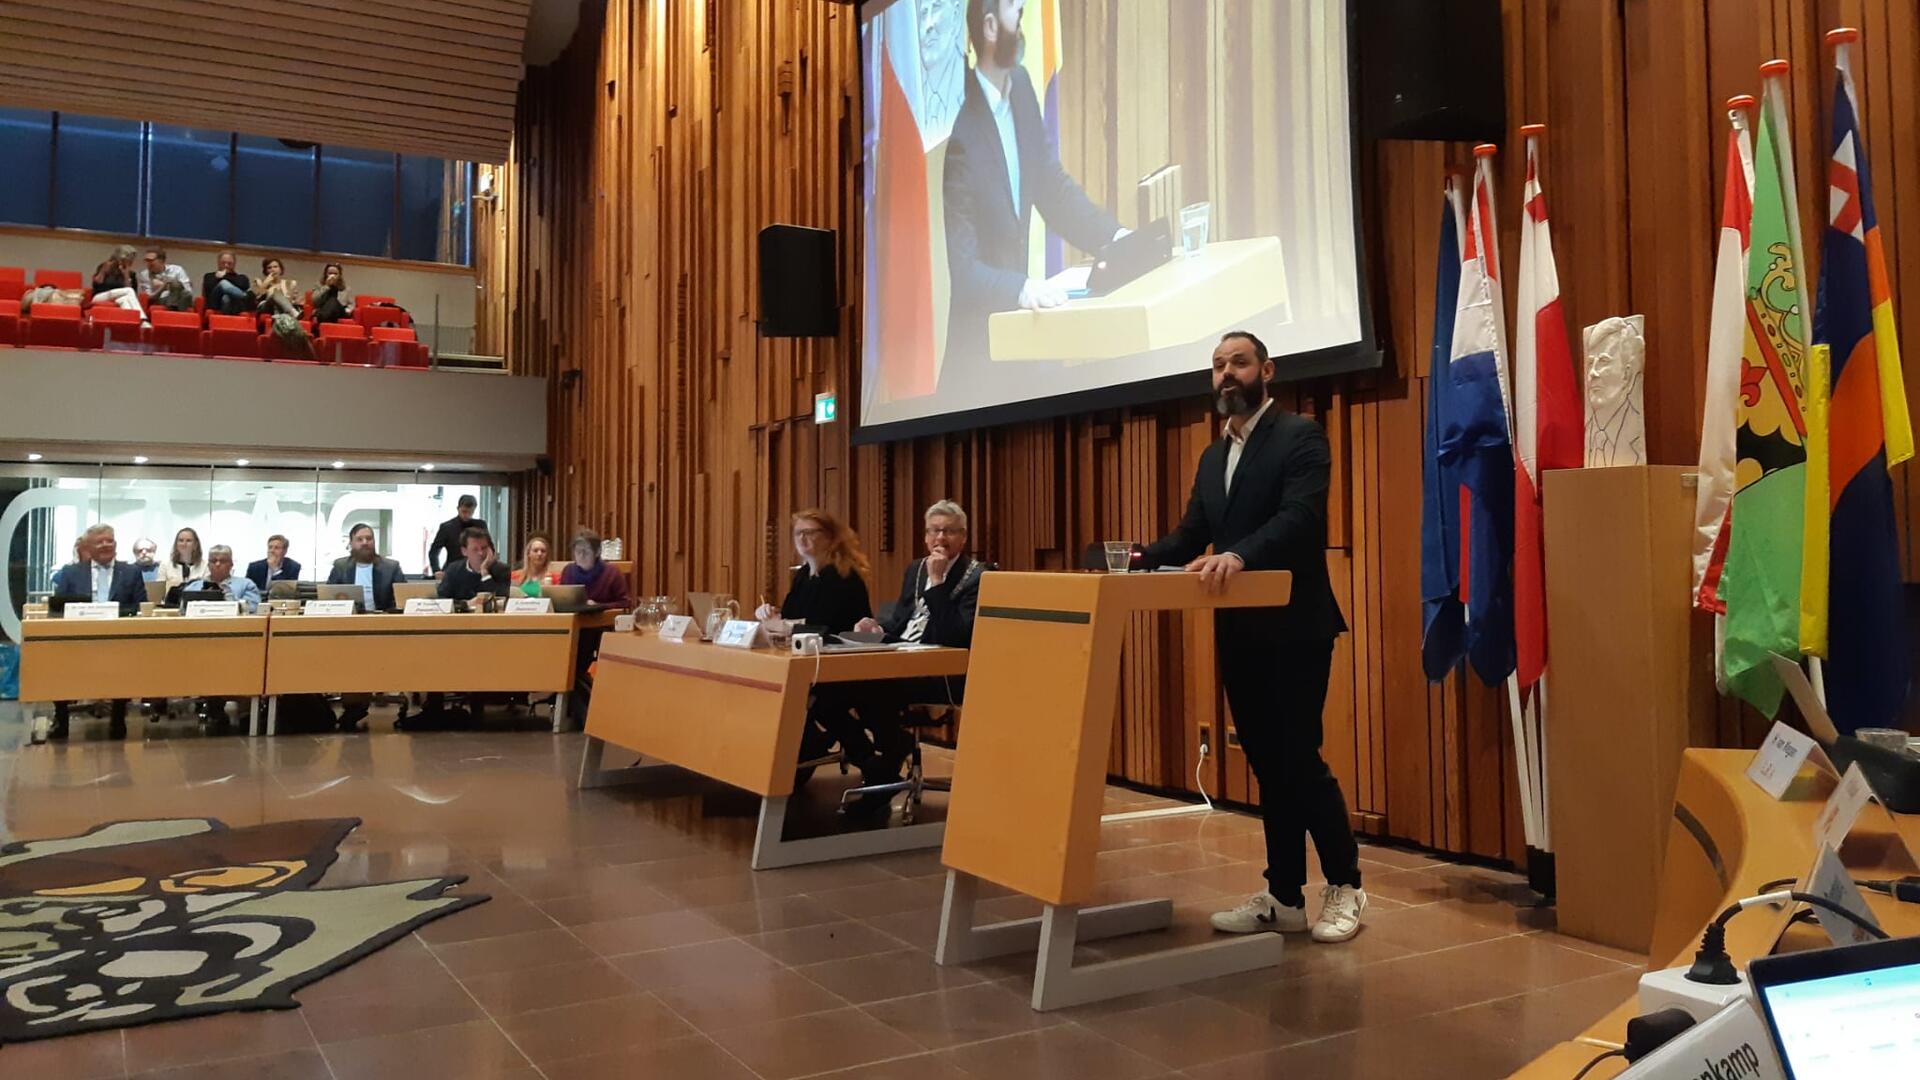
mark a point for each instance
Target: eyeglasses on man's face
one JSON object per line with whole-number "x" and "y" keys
{"x": 946, "y": 530}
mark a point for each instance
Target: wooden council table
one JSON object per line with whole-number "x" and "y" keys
{"x": 151, "y": 657}
{"x": 736, "y": 715}
{"x": 1030, "y": 776}
{"x": 328, "y": 654}
{"x": 1727, "y": 838}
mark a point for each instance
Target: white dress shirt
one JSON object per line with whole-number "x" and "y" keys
{"x": 1001, "y": 106}
{"x": 102, "y": 583}
{"x": 1237, "y": 439}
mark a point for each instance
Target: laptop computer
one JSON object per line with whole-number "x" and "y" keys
{"x": 1844, "y": 1013}
{"x": 284, "y": 590}
{"x": 404, "y": 591}
{"x": 342, "y": 592}
{"x": 566, "y": 597}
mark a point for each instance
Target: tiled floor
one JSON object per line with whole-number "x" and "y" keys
{"x": 627, "y": 938}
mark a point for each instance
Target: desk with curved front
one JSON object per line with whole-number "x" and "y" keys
{"x": 1726, "y": 839}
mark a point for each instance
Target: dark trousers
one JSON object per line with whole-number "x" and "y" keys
{"x": 1277, "y": 691}
{"x": 850, "y": 711}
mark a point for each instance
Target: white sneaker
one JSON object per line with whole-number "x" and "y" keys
{"x": 1261, "y": 914}
{"x": 1340, "y": 908}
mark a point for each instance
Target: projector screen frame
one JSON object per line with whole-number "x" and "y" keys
{"x": 1364, "y": 354}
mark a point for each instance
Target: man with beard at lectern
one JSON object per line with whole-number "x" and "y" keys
{"x": 1260, "y": 501}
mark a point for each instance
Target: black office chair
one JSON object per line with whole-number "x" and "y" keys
{"x": 918, "y": 721}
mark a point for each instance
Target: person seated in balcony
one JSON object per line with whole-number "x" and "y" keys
{"x": 225, "y": 289}
{"x": 116, "y": 282}
{"x": 331, "y": 301}
{"x": 273, "y": 290}
{"x": 165, "y": 284}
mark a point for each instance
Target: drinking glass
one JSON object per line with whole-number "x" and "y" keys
{"x": 1195, "y": 221}
{"x": 1119, "y": 556}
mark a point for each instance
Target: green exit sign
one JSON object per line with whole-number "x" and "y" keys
{"x": 826, "y": 408}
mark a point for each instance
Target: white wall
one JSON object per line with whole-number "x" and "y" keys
{"x": 416, "y": 286}
{"x": 360, "y": 414}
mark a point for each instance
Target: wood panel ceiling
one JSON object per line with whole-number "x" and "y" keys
{"x": 424, "y": 76}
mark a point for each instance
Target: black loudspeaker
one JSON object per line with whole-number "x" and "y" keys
{"x": 799, "y": 283}
{"x": 1431, "y": 70}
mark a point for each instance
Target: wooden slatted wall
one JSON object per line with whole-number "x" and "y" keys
{"x": 649, "y": 156}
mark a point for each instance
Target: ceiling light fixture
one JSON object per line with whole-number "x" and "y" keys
{"x": 242, "y": 462}
{"x": 339, "y": 464}
{"x": 428, "y": 467}
{"x": 33, "y": 457}
{"x": 140, "y": 459}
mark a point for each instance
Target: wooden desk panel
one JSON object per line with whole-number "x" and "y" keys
{"x": 735, "y": 715}
{"x": 71, "y": 659}
{"x": 1177, "y": 303}
{"x": 1030, "y": 771}
{"x": 311, "y": 654}
{"x": 1726, "y": 839}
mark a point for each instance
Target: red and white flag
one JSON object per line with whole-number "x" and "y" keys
{"x": 1713, "y": 498}
{"x": 1546, "y": 416}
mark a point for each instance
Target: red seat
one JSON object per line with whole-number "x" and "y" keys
{"x": 372, "y": 315}
{"x": 377, "y": 300}
{"x": 397, "y": 347}
{"x": 176, "y": 332}
{"x": 9, "y": 322}
{"x": 232, "y": 336}
{"x": 112, "y": 320}
{"x": 342, "y": 343}
{"x": 59, "y": 279}
{"x": 53, "y": 326}
{"x": 13, "y": 282}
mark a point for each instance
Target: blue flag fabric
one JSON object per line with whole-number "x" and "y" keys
{"x": 1443, "y": 617}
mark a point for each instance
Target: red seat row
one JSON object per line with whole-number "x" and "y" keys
{"x": 66, "y": 326}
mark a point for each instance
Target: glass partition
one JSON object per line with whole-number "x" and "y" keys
{"x": 45, "y": 508}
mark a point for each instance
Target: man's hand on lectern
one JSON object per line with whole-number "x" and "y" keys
{"x": 1216, "y": 570}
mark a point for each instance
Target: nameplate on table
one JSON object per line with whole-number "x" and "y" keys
{"x": 212, "y": 609}
{"x": 90, "y": 611}
{"x": 530, "y": 605}
{"x": 679, "y": 628}
{"x": 1837, "y": 818}
{"x": 428, "y": 605}
{"x": 1780, "y": 756}
{"x": 1831, "y": 881}
{"x": 742, "y": 634}
{"x": 327, "y": 607}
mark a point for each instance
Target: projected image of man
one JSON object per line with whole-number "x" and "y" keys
{"x": 1000, "y": 168}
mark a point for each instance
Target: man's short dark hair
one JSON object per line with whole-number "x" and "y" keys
{"x": 355, "y": 531}
{"x": 474, "y": 532}
{"x": 976, "y": 18}
{"x": 158, "y": 253}
{"x": 468, "y": 500}
{"x": 1259, "y": 347}
{"x": 277, "y": 536}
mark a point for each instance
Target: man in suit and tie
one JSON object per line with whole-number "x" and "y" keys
{"x": 275, "y": 567}
{"x": 101, "y": 578}
{"x": 1001, "y": 167}
{"x": 1260, "y": 501}
{"x": 366, "y": 568}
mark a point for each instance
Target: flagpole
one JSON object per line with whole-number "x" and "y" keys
{"x": 1843, "y": 39}
{"x": 1536, "y": 717}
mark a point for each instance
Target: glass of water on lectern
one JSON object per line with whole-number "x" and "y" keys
{"x": 1119, "y": 555}
{"x": 1194, "y": 222}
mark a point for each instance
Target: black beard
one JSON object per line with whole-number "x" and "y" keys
{"x": 1245, "y": 402}
{"x": 1006, "y": 51}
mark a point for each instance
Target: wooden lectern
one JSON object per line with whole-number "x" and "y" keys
{"x": 1030, "y": 775}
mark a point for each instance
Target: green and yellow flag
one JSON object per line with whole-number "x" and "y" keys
{"x": 1780, "y": 406}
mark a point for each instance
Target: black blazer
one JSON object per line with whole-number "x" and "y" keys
{"x": 461, "y": 583}
{"x": 257, "y": 572}
{"x": 385, "y": 573}
{"x": 448, "y": 540}
{"x": 1275, "y": 519}
{"x": 950, "y": 605}
{"x": 989, "y": 227}
{"x": 827, "y": 599}
{"x": 127, "y": 587}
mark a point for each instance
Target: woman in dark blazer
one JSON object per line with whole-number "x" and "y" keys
{"x": 829, "y": 586}
{"x": 829, "y": 591}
